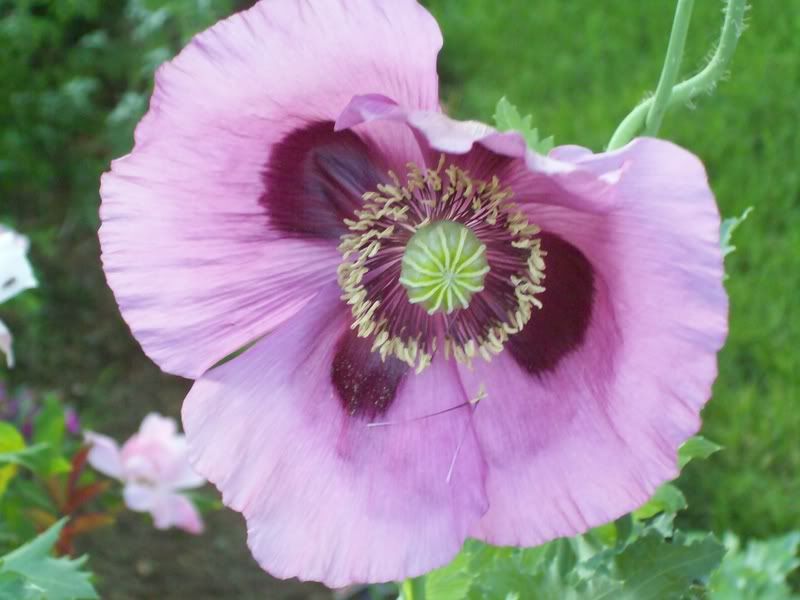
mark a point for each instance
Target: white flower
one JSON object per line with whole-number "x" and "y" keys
{"x": 16, "y": 276}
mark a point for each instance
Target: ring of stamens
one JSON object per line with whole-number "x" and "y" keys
{"x": 380, "y": 286}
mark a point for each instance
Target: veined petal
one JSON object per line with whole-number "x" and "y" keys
{"x": 589, "y": 436}
{"x": 484, "y": 152}
{"x": 185, "y": 222}
{"x": 380, "y": 503}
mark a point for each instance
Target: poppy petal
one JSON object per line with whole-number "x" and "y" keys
{"x": 381, "y": 501}
{"x": 590, "y": 437}
{"x": 184, "y": 223}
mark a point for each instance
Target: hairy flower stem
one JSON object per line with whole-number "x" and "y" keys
{"x": 672, "y": 66}
{"x": 413, "y": 589}
{"x": 685, "y": 91}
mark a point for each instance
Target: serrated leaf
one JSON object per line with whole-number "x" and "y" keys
{"x": 17, "y": 587}
{"x": 508, "y": 118}
{"x": 452, "y": 582}
{"x": 59, "y": 578}
{"x": 727, "y": 229}
{"x": 652, "y": 568}
{"x": 483, "y": 572}
{"x": 667, "y": 499}
{"x": 663, "y": 524}
{"x": 542, "y": 584}
{"x": 696, "y": 447}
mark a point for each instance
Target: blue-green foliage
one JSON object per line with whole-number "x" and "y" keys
{"x": 31, "y": 573}
{"x": 757, "y": 570}
{"x": 729, "y": 226}
{"x": 508, "y": 118}
{"x": 651, "y": 562}
{"x": 640, "y": 557}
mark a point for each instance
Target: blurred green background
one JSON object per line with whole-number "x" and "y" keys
{"x": 75, "y": 77}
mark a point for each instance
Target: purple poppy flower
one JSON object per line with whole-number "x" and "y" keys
{"x": 452, "y": 336}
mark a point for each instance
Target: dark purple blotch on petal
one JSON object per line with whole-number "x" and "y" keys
{"x": 559, "y": 327}
{"x": 365, "y": 384}
{"x": 316, "y": 178}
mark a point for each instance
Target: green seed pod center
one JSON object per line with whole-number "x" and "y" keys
{"x": 444, "y": 264}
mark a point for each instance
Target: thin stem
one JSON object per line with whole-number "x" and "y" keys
{"x": 672, "y": 66}
{"x": 703, "y": 82}
{"x": 414, "y": 589}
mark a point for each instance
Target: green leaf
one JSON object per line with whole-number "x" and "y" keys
{"x": 48, "y": 430}
{"x": 696, "y": 447}
{"x": 668, "y": 498}
{"x": 547, "y": 572}
{"x": 59, "y": 578}
{"x": 32, "y": 495}
{"x": 758, "y": 571}
{"x": 36, "y": 458}
{"x": 49, "y": 425}
{"x": 727, "y": 229}
{"x": 657, "y": 569}
{"x": 15, "y": 587}
{"x": 452, "y": 582}
{"x": 508, "y": 118}
{"x": 609, "y": 533}
{"x": 663, "y": 524}
{"x": 623, "y": 527}
{"x": 10, "y": 438}
{"x": 203, "y": 501}
{"x": 11, "y": 441}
